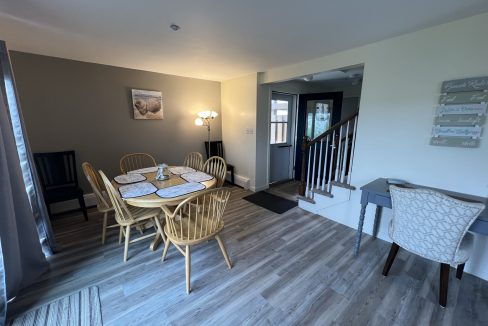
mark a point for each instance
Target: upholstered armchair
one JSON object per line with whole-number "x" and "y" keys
{"x": 434, "y": 226}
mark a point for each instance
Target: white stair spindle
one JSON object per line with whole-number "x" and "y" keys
{"x": 352, "y": 149}
{"x": 313, "y": 167}
{"x": 329, "y": 183}
{"x": 325, "y": 163}
{"x": 320, "y": 164}
{"x": 344, "y": 155}
{"x": 338, "y": 158}
{"x": 308, "y": 171}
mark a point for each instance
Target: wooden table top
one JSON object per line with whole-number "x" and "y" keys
{"x": 154, "y": 200}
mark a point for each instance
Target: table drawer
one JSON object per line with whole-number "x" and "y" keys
{"x": 380, "y": 200}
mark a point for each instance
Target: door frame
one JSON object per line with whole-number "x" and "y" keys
{"x": 292, "y": 127}
{"x": 301, "y": 121}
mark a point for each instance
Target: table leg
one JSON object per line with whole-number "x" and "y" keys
{"x": 377, "y": 219}
{"x": 360, "y": 229}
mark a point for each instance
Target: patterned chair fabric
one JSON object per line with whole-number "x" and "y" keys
{"x": 432, "y": 225}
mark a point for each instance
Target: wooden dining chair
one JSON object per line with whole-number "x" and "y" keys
{"x": 217, "y": 167}
{"x": 196, "y": 220}
{"x": 104, "y": 205}
{"x": 135, "y": 161}
{"x": 130, "y": 216}
{"x": 434, "y": 226}
{"x": 59, "y": 179}
{"x": 216, "y": 148}
{"x": 194, "y": 160}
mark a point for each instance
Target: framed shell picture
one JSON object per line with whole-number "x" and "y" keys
{"x": 147, "y": 105}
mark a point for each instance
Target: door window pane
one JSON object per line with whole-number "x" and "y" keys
{"x": 278, "y": 132}
{"x": 318, "y": 117}
{"x": 279, "y": 121}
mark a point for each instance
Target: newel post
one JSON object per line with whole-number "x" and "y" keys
{"x": 301, "y": 189}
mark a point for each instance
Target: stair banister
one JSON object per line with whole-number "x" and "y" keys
{"x": 301, "y": 189}
{"x": 307, "y": 144}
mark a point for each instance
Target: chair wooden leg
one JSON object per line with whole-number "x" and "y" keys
{"x": 391, "y": 257}
{"x": 444, "y": 282}
{"x": 165, "y": 251}
{"x": 81, "y": 200}
{"x": 188, "y": 268}
{"x": 459, "y": 271}
{"x": 127, "y": 239}
{"x": 121, "y": 233}
{"x": 224, "y": 251}
{"x": 104, "y": 227}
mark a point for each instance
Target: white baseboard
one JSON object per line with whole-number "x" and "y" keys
{"x": 241, "y": 181}
{"x": 69, "y": 205}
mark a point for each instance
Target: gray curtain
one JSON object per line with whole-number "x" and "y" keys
{"x": 21, "y": 203}
{"x": 29, "y": 173}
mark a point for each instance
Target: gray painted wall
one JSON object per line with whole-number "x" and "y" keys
{"x": 87, "y": 107}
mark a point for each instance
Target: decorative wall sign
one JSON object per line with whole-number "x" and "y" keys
{"x": 465, "y": 85}
{"x": 450, "y": 131}
{"x": 455, "y": 142}
{"x": 459, "y": 120}
{"x": 147, "y": 105}
{"x": 476, "y": 108}
{"x": 464, "y": 97}
{"x": 462, "y": 112}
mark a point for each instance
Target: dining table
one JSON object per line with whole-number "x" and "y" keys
{"x": 189, "y": 182}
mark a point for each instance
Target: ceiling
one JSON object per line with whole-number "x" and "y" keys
{"x": 218, "y": 39}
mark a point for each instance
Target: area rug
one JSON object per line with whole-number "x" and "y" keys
{"x": 271, "y": 202}
{"x": 80, "y": 309}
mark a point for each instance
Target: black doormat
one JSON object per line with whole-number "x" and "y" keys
{"x": 271, "y": 202}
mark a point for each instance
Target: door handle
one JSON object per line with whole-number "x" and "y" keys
{"x": 283, "y": 146}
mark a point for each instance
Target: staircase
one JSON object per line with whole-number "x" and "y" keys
{"x": 327, "y": 164}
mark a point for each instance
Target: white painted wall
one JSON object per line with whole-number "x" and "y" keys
{"x": 238, "y": 106}
{"x": 401, "y": 87}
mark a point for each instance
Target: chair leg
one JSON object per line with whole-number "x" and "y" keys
{"x": 165, "y": 251}
{"x": 391, "y": 257}
{"x": 459, "y": 271}
{"x": 121, "y": 233}
{"x": 188, "y": 268}
{"x": 81, "y": 200}
{"x": 444, "y": 282}
{"x": 104, "y": 227}
{"x": 127, "y": 239}
{"x": 224, "y": 252}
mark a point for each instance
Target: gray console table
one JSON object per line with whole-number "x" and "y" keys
{"x": 377, "y": 192}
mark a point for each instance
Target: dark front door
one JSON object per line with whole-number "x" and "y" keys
{"x": 316, "y": 113}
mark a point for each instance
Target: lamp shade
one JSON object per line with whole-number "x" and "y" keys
{"x": 198, "y": 122}
{"x": 208, "y": 114}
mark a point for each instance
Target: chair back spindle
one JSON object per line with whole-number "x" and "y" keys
{"x": 216, "y": 149}
{"x": 57, "y": 169}
{"x": 97, "y": 185}
{"x": 135, "y": 161}
{"x": 194, "y": 160}
{"x": 217, "y": 167}
{"x": 198, "y": 217}
{"x": 122, "y": 213}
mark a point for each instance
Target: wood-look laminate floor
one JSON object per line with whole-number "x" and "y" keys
{"x": 289, "y": 269}
{"x": 287, "y": 189}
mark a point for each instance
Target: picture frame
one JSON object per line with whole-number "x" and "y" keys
{"x": 147, "y": 105}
